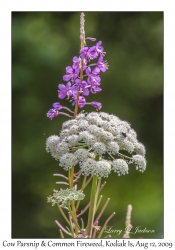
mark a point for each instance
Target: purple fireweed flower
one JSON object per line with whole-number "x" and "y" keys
{"x": 52, "y": 113}
{"x": 93, "y": 80}
{"x": 57, "y": 106}
{"x": 76, "y": 62}
{"x": 95, "y": 71}
{"x": 94, "y": 88}
{"x": 64, "y": 90}
{"x": 81, "y": 102}
{"x": 96, "y": 105}
{"x": 75, "y": 91}
{"x": 82, "y": 86}
{"x": 74, "y": 95}
{"x": 101, "y": 64}
{"x": 93, "y": 76}
{"x": 99, "y": 48}
{"x": 89, "y": 53}
{"x": 71, "y": 73}
{"x": 83, "y": 52}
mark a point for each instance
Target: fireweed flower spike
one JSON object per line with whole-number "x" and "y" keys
{"x": 83, "y": 77}
{"x": 90, "y": 146}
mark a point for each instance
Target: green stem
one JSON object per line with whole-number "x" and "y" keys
{"x": 63, "y": 214}
{"x": 98, "y": 203}
{"x": 61, "y": 233}
{"x": 74, "y": 219}
{"x": 71, "y": 183}
{"x": 87, "y": 182}
{"x": 82, "y": 223}
{"x": 72, "y": 231}
{"x": 69, "y": 178}
{"x": 124, "y": 156}
{"x": 84, "y": 181}
{"x": 93, "y": 203}
{"x": 82, "y": 188}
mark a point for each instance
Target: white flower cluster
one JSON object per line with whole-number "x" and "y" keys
{"x": 91, "y": 139}
{"x": 65, "y": 196}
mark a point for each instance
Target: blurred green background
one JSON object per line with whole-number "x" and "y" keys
{"x": 43, "y": 44}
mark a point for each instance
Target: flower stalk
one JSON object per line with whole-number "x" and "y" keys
{"x": 82, "y": 39}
